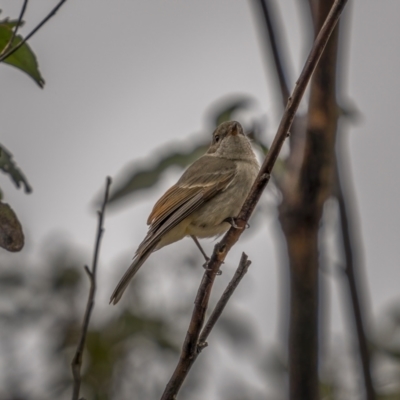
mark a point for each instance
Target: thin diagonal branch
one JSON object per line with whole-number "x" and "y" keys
{"x": 14, "y": 34}
{"x": 351, "y": 269}
{"x": 273, "y": 28}
{"x": 269, "y": 16}
{"x": 76, "y": 363}
{"x": 34, "y": 30}
{"x": 221, "y": 249}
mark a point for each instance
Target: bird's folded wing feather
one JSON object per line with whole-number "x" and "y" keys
{"x": 201, "y": 181}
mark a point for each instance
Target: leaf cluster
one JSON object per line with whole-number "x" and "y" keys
{"x": 24, "y": 59}
{"x": 11, "y": 234}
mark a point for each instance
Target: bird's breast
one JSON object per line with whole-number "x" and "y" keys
{"x": 208, "y": 221}
{"x": 204, "y": 230}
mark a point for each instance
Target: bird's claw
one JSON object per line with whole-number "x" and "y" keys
{"x": 205, "y": 266}
{"x": 232, "y": 222}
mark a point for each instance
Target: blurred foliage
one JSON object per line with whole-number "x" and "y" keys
{"x": 341, "y": 379}
{"x": 24, "y": 59}
{"x": 11, "y": 235}
{"x": 130, "y": 348}
{"x": 8, "y": 166}
{"x": 237, "y": 330}
{"x": 327, "y": 391}
{"x": 224, "y": 111}
{"x": 142, "y": 177}
{"x": 112, "y": 343}
{"x": 49, "y": 300}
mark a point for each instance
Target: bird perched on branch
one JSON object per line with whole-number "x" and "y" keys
{"x": 205, "y": 200}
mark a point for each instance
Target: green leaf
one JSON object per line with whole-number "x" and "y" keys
{"x": 11, "y": 235}
{"x": 8, "y": 166}
{"x": 142, "y": 178}
{"x": 24, "y": 58}
{"x": 11, "y": 23}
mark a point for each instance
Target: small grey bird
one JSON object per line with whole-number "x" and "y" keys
{"x": 209, "y": 194}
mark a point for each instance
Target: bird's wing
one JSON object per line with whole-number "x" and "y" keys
{"x": 201, "y": 181}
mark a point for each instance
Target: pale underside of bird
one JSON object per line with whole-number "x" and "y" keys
{"x": 208, "y": 195}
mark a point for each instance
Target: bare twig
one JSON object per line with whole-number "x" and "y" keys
{"x": 186, "y": 363}
{"x": 266, "y": 7}
{"x": 351, "y": 270}
{"x": 273, "y": 28}
{"x": 220, "y": 306}
{"x": 14, "y": 34}
{"x": 76, "y": 363}
{"x": 221, "y": 249}
{"x": 34, "y": 30}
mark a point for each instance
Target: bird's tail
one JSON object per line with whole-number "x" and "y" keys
{"x": 129, "y": 274}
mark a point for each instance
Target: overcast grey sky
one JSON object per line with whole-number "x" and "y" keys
{"x": 123, "y": 78}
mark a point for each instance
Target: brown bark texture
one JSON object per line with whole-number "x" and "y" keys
{"x": 306, "y": 187}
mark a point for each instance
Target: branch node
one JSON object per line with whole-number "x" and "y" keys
{"x": 232, "y": 221}
{"x": 200, "y": 346}
{"x": 219, "y": 272}
{"x": 88, "y": 271}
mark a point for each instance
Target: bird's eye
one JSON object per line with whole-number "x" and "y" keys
{"x": 217, "y": 138}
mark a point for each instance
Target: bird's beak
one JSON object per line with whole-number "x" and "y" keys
{"x": 236, "y": 129}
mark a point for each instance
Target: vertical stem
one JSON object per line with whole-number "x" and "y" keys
{"x": 76, "y": 363}
{"x": 352, "y": 278}
{"x": 304, "y": 194}
{"x": 269, "y": 19}
{"x": 303, "y": 326}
